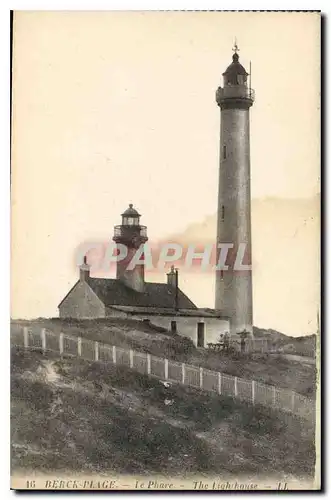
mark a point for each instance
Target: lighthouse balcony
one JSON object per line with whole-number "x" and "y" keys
{"x": 129, "y": 232}
{"x": 234, "y": 92}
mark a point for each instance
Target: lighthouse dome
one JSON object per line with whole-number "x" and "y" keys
{"x": 131, "y": 212}
{"x": 235, "y": 68}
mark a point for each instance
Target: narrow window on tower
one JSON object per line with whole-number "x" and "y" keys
{"x": 222, "y": 213}
{"x": 224, "y": 152}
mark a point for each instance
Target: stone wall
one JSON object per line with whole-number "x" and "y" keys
{"x": 188, "y": 326}
{"x": 82, "y": 303}
{"x": 115, "y": 313}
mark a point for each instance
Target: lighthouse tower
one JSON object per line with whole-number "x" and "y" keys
{"x": 234, "y": 284}
{"x": 132, "y": 235}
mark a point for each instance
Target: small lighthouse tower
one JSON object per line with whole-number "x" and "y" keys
{"x": 233, "y": 285}
{"x": 132, "y": 235}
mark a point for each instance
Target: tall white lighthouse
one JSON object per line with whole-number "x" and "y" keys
{"x": 234, "y": 283}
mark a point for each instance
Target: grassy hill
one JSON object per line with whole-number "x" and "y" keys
{"x": 74, "y": 416}
{"x": 270, "y": 369}
{"x": 302, "y": 346}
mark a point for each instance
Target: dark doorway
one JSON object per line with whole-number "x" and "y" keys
{"x": 201, "y": 335}
{"x": 174, "y": 326}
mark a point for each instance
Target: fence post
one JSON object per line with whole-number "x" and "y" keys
{"x": 201, "y": 377}
{"x": 235, "y": 387}
{"x": 183, "y": 373}
{"x": 253, "y": 391}
{"x": 61, "y": 343}
{"x": 148, "y": 364}
{"x": 26, "y": 337}
{"x": 131, "y": 358}
{"x": 96, "y": 351}
{"x": 79, "y": 346}
{"x": 43, "y": 339}
{"x": 219, "y": 383}
{"x": 166, "y": 368}
{"x": 114, "y": 354}
{"x": 274, "y": 396}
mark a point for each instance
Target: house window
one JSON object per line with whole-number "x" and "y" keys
{"x": 224, "y": 152}
{"x": 222, "y": 213}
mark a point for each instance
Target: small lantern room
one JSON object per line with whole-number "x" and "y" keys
{"x": 130, "y": 217}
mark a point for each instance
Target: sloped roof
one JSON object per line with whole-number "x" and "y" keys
{"x": 235, "y": 67}
{"x": 115, "y": 292}
{"x": 131, "y": 211}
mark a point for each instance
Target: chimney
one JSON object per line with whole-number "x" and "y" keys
{"x": 84, "y": 270}
{"x": 172, "y": 277}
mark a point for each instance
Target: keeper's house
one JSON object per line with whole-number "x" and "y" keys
{"x": 163, "y": 304}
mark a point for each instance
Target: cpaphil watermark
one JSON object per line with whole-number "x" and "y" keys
{"x": 223, "y": 257}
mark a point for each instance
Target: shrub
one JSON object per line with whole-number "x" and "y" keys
{"x": 179, "y": 348}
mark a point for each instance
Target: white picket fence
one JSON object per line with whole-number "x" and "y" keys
{"x": 224, "y": 384}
